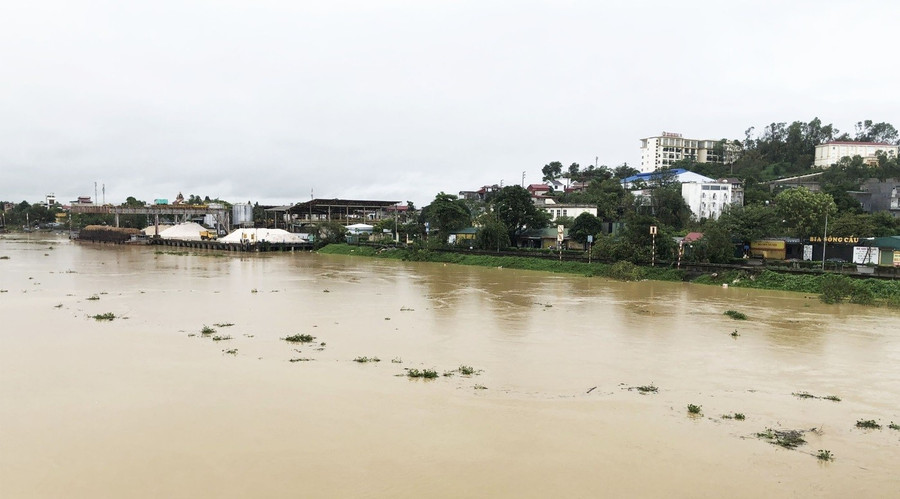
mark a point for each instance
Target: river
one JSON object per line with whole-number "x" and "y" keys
{"x": 145, "y": 405}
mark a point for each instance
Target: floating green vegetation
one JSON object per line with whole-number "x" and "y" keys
{"x": 407, "y": 309}
{"x": 221, "y": 338}
{"x": 207, "y": 330}
{"x": 734, "y": 334}
{"x": 92, "y": 298}
{"x": 364, "y": 360}
{"x": 789, "y": 439}
{"x": 396, "y": 360}
{"x": 300, "y": 338}
{"x": 466, "y": 370}
{"x": 424, "y": 373}
{"x": 868, "y": 424}
{"x": 224, "y": 324}
{"x": 825, "y": 455}
{"x": 231, "y": 351}
{"x": 104, "y": 317}
{"x": 738, "y": 416}
{"x": 651, "y": 388}
{"x": 4, "y": 257}
{"x": 254, "y": 290}
{"x": 807, "y": 395}
{"x": 894, "y": 426}
{"x": 58, "y": 306}
{"x": 695, "y": 410}
{"x": 301, "y": 359}
{"x": 734, "y": 314}
{"x": 480, "y": 387}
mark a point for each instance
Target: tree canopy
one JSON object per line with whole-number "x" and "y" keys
{"x": 513, "y": 207}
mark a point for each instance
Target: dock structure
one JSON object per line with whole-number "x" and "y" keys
{"x": 345, "y": 211}
{"x": 179, "y": 211}
{"x": 259, "y": 247}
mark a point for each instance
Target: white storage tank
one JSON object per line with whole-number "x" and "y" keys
{"x": 242, "y": 214}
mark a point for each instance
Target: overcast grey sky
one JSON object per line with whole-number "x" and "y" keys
{"x": 269, "y": 100}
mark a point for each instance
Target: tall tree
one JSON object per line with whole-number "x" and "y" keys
{"x": 585, "y": 225}
{"x": 446, "y": 213}
{"x": 552, "y": 171}
{"x": 492, "y": 234}
{"x": 805, "y": 211}
{"x": 514, "y": 208}
{"x": 751, "y": 222}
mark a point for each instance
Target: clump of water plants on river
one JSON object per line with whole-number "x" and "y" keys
{"x": 737, "y": 415}
{"x": 695, "y": 410}
{"x": 645, "y": 389}
{"x": 231, "y": 351}
{"x": 825, "y": 455}
{"x": 734, "y": 314}
{"x": 301, "y": 359}
{"x": 104, "y": 317}
{"x": 869, "y": 424}
{"x": 221, "y": 338}
{"x": 789, "y": 439}
{"x": 224, "y": 324}
{"x": 364, "y": 360}
{"x": 207, "y": 330}
{"x": 894, "y": 426}
{"x": 424, "y": 373}
{"x": 300, "y": 338}
{"x": 468, "y": 371}
{"x": 92, "y": 298}
{"x": 735, "y": 334}
{"x": 807, "y": 395}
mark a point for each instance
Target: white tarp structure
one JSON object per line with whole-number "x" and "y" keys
{"x": 253, "y": 236}
{"x": 188, "y": 231}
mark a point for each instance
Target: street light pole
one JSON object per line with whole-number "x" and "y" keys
{"x": 824, "y": 242}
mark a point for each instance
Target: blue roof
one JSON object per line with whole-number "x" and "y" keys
{"x": 650, "y": 175}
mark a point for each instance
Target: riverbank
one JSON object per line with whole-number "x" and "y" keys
{"x": 832, "y": 288}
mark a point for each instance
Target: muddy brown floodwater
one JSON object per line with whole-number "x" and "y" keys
{"x": 147, "y": 406}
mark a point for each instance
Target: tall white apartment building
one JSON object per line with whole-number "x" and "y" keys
{"x": 708, "y": 199}
{"x": 664, "y": 150}
{"x": 830, "y": 153}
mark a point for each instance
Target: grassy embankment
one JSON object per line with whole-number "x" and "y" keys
{"x": 625, "y": 271}
{"x": 831, "y": 288}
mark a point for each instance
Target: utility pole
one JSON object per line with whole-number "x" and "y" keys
{"x": 824, "y": 241}
{"x": 523, "y": 179}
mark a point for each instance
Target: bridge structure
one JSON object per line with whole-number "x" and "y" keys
{"x": 180, "y": 212}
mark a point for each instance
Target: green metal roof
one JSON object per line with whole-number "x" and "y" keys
{"x": 887, "y": 242}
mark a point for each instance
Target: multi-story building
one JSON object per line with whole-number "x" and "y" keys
{"x": 708, "y": 199}
{"x": 557, "y": 210}
{"x": 830, "y": 153}
{"x": 662, "y": 151}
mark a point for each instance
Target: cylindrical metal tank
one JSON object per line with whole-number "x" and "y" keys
{"x": 242, "y": 214}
